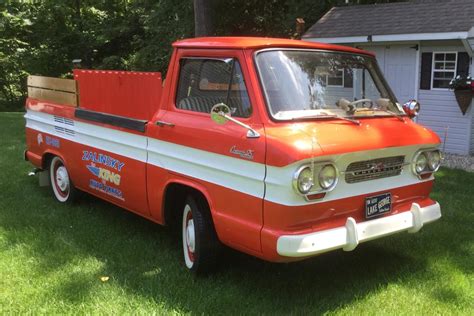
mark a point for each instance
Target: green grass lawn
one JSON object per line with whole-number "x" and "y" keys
{"x": 52, "y": 258}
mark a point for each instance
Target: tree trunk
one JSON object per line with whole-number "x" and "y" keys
{"x": 203, "y": 20}
{"x": 78, "y": 14}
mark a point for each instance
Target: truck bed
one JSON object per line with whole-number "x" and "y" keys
{"x": 129, "y": 94}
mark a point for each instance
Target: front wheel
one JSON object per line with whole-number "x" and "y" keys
{"x": 200, "y": 244}
{"x": 62, "y": 187}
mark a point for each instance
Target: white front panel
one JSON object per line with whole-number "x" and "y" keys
{"x": 280, "y": 190}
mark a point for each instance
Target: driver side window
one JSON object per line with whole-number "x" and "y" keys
{"x": 206, "y": 82}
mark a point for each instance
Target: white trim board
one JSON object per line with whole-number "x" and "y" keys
{"x": 390, "y": 38}
{"x": 469, "y": 46}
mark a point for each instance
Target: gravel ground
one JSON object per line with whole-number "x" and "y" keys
{"x": 459, "y": 162}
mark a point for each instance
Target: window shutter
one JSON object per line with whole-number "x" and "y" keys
{"x": 348, "y": 78}
{"x": 463, "y": 64}
{"x": 426, "y": 62}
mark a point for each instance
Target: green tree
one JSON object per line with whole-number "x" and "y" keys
{"x": 13, "y": 51}
{"x": 43, "y": 37}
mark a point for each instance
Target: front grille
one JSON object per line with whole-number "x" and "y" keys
{"x": 374, "y": 169}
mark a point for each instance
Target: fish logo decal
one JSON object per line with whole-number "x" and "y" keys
{"x": 93, "y": 169}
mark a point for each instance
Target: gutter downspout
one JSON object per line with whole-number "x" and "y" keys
{"x": 418, "y": 70}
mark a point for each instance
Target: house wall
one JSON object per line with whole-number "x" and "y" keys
{"x": 440, "y": 111}
{"x": 333, "y": 94}
{"x": 471, "y": 110}
{"x": 471, "y": 151}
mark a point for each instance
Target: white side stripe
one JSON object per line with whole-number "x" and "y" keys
{"x": 236, "y": 174}
{"x": 122, "y": 143}
{"x": 233, "y": 173}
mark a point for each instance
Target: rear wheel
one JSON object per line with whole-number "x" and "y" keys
{"x": 200, "y": 244}
{"x": 62, "y": 187}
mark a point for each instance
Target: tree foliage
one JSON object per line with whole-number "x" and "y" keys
{"x": 43, "y": 37}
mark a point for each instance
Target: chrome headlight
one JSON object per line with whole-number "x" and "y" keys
{"x": 420, "y": 163}
{"x": 320, "y": 177}
{"x": 327, "y": 177}
{"x": 434, "y": 160}
{"x": 303, "y": 180}
{"x": 426, "y": 162}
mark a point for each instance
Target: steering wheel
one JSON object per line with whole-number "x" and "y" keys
{"x": 353, "y": 103}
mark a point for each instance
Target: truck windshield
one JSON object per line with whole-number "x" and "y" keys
{"x": 312, "y": 84}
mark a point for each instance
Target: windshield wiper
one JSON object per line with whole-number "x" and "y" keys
{"x": 329, "y": 116}
{"x": 398, "y": 116}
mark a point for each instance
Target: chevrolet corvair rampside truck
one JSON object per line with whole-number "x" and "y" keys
{"x": 282, "y": 149}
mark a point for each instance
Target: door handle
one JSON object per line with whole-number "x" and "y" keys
{"x": 163, "y": 123}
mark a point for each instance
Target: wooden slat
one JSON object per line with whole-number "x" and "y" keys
{"x": 60, "y": 97}
{"x": 68, "y": 85}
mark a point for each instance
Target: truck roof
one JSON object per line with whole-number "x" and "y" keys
{"x": 260, "y": 42}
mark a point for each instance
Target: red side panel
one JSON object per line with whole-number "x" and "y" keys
{"x": 126, "y": 93}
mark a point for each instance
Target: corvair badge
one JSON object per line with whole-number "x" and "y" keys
{"x": 247, "y": 154}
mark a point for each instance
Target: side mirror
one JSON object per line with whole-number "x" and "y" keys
{"x": 412, "y": 108}
{"x": 220, "y": 114}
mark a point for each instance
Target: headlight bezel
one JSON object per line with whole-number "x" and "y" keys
{"x": 430, "y": 156}
{"x": 421, "y": 155}
{"x": 316, "y": 188}
{"x": 428, "y": 169}
{"x": 296, "y": 180}
{"x": 335, "y": 177}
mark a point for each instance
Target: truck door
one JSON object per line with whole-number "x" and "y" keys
{"x": 220, "y": 159}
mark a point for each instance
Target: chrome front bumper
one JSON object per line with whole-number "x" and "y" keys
{"x": 349, "y": 236}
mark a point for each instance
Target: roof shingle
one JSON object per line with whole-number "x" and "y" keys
{"x": 418, "y": 16}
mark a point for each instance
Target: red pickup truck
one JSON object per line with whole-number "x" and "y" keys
{"x": 282, "y": 149}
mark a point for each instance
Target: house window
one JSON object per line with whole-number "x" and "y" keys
{"x": 443, "y": 69}
{"x": 330, "y": 78}
{"x": 335, "y": 78}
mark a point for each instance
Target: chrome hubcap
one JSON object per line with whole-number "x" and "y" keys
{"x": 62, "y": 178}
{"x": 190, "y": 239}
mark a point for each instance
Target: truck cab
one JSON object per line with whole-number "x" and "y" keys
{"x": 282, "y": 149}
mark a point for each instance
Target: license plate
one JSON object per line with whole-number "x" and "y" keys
{"x": 378, "y": 205}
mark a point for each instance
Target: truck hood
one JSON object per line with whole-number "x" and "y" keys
{"x": 291, "y": 142}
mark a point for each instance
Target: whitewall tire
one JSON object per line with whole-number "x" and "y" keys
{"x": 189, "y": 237}
{"x": 61, "y": 184}
{"x": 200, "y": 244}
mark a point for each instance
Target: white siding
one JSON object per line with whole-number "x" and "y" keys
{"x": 440, "y": 111}
{"x": 472, "y": 127}
{"x": 471, "y": 110}
{"x": 333, "y": 94}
